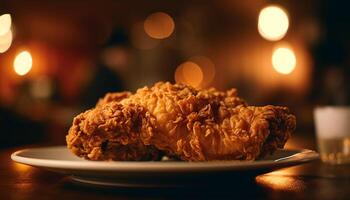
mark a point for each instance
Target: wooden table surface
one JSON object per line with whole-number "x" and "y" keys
{"x": 309, "y": 181}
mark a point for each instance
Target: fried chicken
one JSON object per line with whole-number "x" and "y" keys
{"x": 180, "y": 121}
{"x": 112, "y": 132}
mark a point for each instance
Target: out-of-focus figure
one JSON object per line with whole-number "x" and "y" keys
{"x": 105, "y": 76}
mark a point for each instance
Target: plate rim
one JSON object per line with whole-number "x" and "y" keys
{"x": 304, "y": 155}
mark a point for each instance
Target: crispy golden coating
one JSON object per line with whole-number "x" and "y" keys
{"x": 115, "y": 97}
{"x": 193, "y": 125}
{"x": 111, "y": 132}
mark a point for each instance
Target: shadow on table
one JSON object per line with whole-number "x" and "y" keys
{"x": 247, "y": 188}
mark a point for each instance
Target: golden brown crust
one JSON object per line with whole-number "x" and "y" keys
{"x": 111, "y": 132}
{"x": 193, "y": 125}
{"x": 113, "y": 97}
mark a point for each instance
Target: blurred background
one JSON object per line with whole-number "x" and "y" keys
{"x": 58, "y": 57}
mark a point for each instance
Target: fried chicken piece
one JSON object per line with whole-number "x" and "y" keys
{"x": 112, "y": 132}
{"x": 241, "y": 133}
{"x": 193, "y": 125}
{"x": 202, "y": 125}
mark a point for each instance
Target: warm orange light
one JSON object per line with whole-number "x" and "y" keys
{"x": 23, "y": 63}
{"x": 273, "y": 23}
{"x": 284, "y": 183}
{"x": 5, "y": 41}
{"x": 21, "y": 167}
{"x": 283, "y": 60}
{"x": 23, "y": 171}
{"x": 189, "y": 73}
{"x": 5, "y": 24}
{"x": 159, "y": 25}
{"x": 208, "y": 69}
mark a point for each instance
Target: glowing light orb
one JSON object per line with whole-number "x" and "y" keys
{"x": 189, "y": 73}
{"x": 23, "y": 63}
{"x": 208, "y": 69}
{"x": 5, "y": 41}
{"x": 283, "y": 60}
{"x": 5, "y": 24}
{"x": 273, "y": 23}
{"x": 159, "y": 25}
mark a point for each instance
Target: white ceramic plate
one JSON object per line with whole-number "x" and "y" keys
{"x": 155, "y": 173}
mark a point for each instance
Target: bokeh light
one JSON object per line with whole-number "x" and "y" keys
{"x": 208, "y": 69}
{"x": 5, "y": 24}
{"x": 23, "y": 63}
{"x": 283, "y": 60}
{"x": 5, "y": 41}
{"x": 273, "y": 23}
{"x": 159, "y": 25}
{"x": 189, "y": 73}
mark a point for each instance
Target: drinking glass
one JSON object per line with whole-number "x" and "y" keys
{"x": 333, "y": 133}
